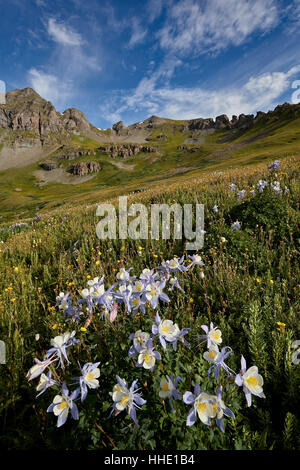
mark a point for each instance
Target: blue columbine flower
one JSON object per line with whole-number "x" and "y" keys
{"x": 213, "y": 335}
{"x": 40, "y": 366}
{"x": 60, "y": 345}
{"x": 241, "y": 194}
{"x": 64, "y": 403}
{"x": 166, "y": 330}
{"x": 64, "y": 303}
{"x": 154, "y": 292}
{"x": 261, "y": 185}
{"x": 148, "y": 356}
{"x": 251, "y": 381}
{"x": 89, "y": 378}
{"x": 236, "y": 225}
{"x": 180, "y": 337}
{"x": 174, "y": 283}
{"x": 45, "y": 382}
{"x": 220, "y": 409}
{"x": 275, "y": 165}
{"x": 219, "y": 363}
{"x": 168, "y": 389}
{"x": 201, "y": 406}
{"x": 195, "y": 260}
{"x": 139, "y": 339}
{"x": 125, "y": 398}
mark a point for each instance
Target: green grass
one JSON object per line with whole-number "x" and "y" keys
{"x": 250, "y": 284}
{"x": 281, "y": 139}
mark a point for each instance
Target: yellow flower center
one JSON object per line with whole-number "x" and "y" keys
{"x": 165, "y": 387}
{"x": 152, "y": 292}
{"x": 165, "y": 329}
{"x": 90, "y": 376}
{"x": 215, "y": 408}
{"x": 62, "y": 405}
{"x": 252, "y": 381}
{"x": 201, "y": 407}
{"x": 212, "y": 354}
{"x": 125, "y": 400}
{"x": 217, "y": 335}
{"x": 147, "y": 357}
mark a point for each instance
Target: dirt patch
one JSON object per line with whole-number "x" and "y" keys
{"x": 59, "y": 176}
{"x": 182, "y": 169}
{"x": 20, "y": 157}
{"x": 123, "y": 166}
{"x": 194, "y": 141}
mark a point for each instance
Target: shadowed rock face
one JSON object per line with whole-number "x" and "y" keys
{"x": 48, "y": 166}
{"x": 72, "y": 155}
{"x": 84, "y": 168}
{"x": 73, "y": 118}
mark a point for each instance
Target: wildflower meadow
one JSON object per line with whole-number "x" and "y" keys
{"x": 143, "y": 345}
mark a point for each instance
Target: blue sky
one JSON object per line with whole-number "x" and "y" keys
{"x": 126, "y": 60}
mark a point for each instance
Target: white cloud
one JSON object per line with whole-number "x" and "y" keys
{"x": 194, "y": 27}
{"x": 258, "y": 93}
{"x": 50, "y": 86}
{"x": 138, "y": 33}
{"x": 63, "y": 34}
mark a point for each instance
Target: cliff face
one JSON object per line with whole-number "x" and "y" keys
{"x": 26, "y": 110}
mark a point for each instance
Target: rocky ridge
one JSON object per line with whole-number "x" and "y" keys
{"x": 126, "y": 150}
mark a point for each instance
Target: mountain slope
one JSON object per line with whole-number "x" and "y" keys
{"x": 48, "y": 158}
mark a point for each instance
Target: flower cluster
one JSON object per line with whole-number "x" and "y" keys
{"x": 262, "y": 184}
{"x": 133, "y": 295}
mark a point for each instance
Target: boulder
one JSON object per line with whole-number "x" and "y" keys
{"x": 84, "y": 168}
{"x": 48, "y": 166}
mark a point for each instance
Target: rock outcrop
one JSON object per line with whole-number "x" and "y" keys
{"x": 72, "y": 119}
{"x": 125, "y": 150}
{"x": 48, "y": 166}
{"x": 162, "y": 137}
{"x": 26, "y": 110}
{"x": 84, "y": 168}
{"x": 70, "y": 155}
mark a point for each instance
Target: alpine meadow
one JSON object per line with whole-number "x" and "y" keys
{"x": 171, "y": 323}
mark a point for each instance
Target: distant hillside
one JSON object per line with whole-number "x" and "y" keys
{"x": 49, "y": 159}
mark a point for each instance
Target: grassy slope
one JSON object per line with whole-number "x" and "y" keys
{"x": 41, "y": 261}
{"x": 281, "y": 138}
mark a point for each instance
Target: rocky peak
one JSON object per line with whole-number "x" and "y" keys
{"x": 118, "y": 126}
{"x": 73, "y": 118}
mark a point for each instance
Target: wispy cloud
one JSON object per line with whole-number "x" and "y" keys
{"x": 138, "y": 32}
{"x": 258, "y": 93}
{"x": 70, "y": 62}
{"x": 200, "y": 27}
{"x": 50, "y": 86}
{"x": 63, "y": 34}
